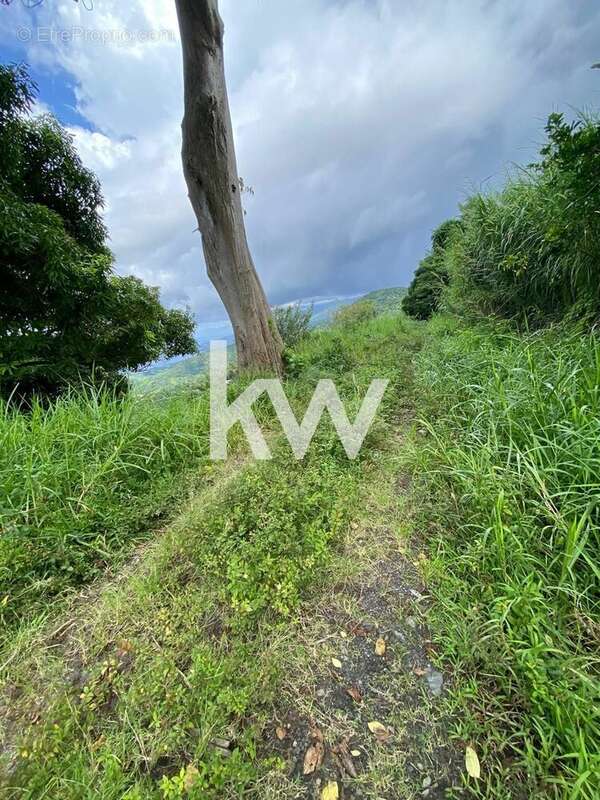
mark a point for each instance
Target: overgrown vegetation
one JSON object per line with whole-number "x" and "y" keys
{"x": 293, "y": 322}
{"x": 186, "y": 650}
{"x": 65, "y": 317}
{"x": 79, "y": 480}
{"x": 183, "y": 652}
{"x": 509, "y": 468}
{"x": 355, "y": 314}
{"x": 511, "y": 462}
{"x": 422, "y": 299}
{"x": 531, "y": 251}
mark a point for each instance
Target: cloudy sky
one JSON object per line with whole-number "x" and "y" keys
{"x": 360, "y": 124}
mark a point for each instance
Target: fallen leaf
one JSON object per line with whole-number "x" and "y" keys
{"x": 355, "y": 753}
{"x": 330, "y": 791}
{"x": 358, "y": 630}
{"x": 97, "y": 744}
{"x": 313, "y": 757}
{"x": 354, "y": 693}
{"x": 280, "y": 732}
{"x": 420, "y": 671}
{"x": 190, "y": 777}
{"x": 316, "y": 733}
{"x": 380, "y": 731}
{"x": 336, "y": 663}
{"x": 380, "y": 646}
{"x": 472, "y": 763}
{"x": 344, "y": 758}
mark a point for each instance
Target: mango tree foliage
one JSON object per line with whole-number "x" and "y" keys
{"x": 65, "y": 316}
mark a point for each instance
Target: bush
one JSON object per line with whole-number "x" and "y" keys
{"x": 355, "y": 314}
{"x": 423, "y": 296}
{"x": 293, "y": 322}
{"x": 532, "y": 251}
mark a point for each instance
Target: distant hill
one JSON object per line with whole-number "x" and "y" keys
{"x": 386, "y": 300}
{"x": 165, "y": 376}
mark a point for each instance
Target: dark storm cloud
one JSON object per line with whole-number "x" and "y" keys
{"x": 360, "y": 126}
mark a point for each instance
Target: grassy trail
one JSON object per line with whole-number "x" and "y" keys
{"x": 315, "y": 607}
{"x": 361, "y": 695}
{"x": 167, "y": 681}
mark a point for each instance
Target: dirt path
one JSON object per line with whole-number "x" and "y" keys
{"x": 362, "y": 711}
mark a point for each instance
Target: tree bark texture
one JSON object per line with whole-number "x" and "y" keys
{"x": 210, "y": 170}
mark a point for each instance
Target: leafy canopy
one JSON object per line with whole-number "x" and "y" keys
{"x": 64, "y": 315}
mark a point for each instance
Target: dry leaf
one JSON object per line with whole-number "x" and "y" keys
{"x": 358, "y": 630}
{"x": 377, "y": 727}
{"x": 313, "y": 757}
{"x": 344, "y": 758}
{"x": 330, "y": 791}
{"x": 280, "y": 732}
{"x": 380, "y": 646}
{"x": 98, "y": 743}
{"x": 420, "y": 671}
{"x": 379, "y": 730}
{"x": 315, "y": 732}
{"x": 472, "y": 763}
{"x": 190, "y": 777}
{"x": 354, "y": 693}
{"x": 336, "y": 663}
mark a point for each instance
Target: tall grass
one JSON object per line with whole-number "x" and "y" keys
{"x": 512, "y": 458}
{"x": 79, "y": 479}
{"x": 532, "y": 250}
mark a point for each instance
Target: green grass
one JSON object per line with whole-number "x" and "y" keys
{"x": 190, "y": 643}
{"x": 530, "y": 251}
{"x": 509, "y": 462}
{"x": 387, "y": 301}
{"x": 80, "y": 480}
{"x": 185, "y": 648}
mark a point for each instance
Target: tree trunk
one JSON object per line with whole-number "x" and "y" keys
{"x": 211, "y": 175}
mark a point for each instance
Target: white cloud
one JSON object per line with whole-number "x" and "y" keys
{"x": 358, "y": 124}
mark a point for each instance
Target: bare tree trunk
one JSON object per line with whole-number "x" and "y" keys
{"x": 210, "y": 171}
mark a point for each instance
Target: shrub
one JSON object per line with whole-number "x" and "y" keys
{"x": 293, "y": 322}
{"x": 532, "y": 251}
{"x": 423, "y": 296}
{"x": 356, "y": 314}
